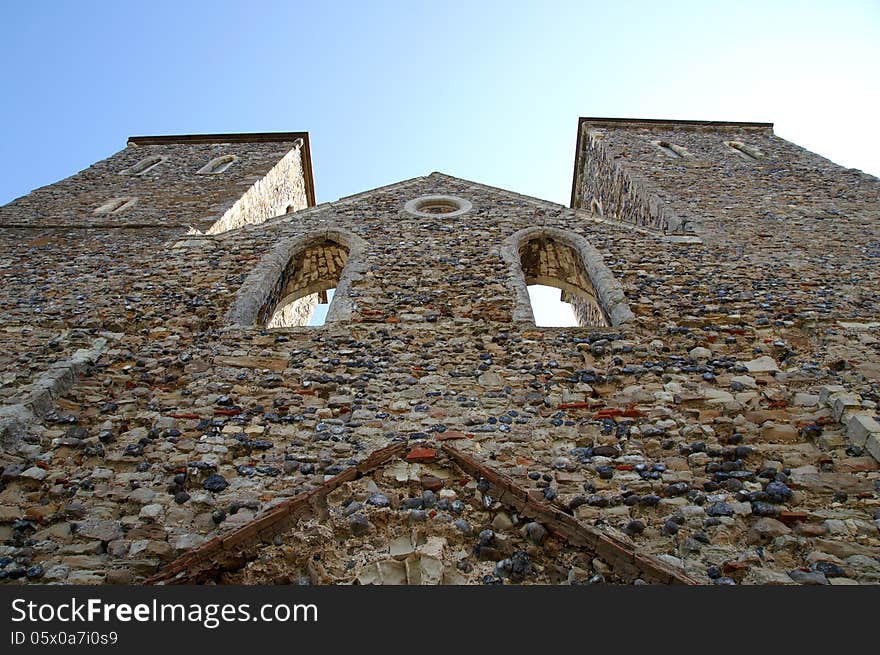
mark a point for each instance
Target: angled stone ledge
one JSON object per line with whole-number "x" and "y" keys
{"x": 38, "y": 399}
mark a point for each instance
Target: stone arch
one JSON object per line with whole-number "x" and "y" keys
{"x": 296, "y": 271}
{"x": 558, "y": 258}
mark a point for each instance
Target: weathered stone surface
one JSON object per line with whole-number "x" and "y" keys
{"x": 776, "y": 433}
{"x": 764, "y": 364}
{"x": 271, "y": 363}
{"x": 101, "y": 530}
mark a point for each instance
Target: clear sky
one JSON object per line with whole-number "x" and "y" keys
{"x": 489, "y": 91}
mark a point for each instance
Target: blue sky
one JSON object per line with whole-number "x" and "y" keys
{"x": 489, "y": 91}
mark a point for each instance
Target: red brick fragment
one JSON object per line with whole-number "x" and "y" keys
{"x": 451, "y": 434}
{"x": 420, "y": 454}
{"x": 733, "y": 567}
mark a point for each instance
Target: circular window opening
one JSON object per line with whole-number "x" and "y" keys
{"x": 438, "y": 205}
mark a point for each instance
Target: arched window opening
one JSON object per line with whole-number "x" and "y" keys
{"x": 144, "y": 165}
{"x": 745, "y": 152}
{"x": 285, "y": 288}
{"x": 304, "y": 293}
{"x": 217, "y": 165}
{"x": 548, "y": 262}
{"x": 116, "y": 205}
{"x": 551, "y": 257}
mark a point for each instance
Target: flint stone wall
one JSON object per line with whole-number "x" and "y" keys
{"x": 742, "y": 360}
{"x": 716, "y": 189}
{"x": 265, "y": 178}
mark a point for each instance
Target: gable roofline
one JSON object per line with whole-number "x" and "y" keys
{"x": 585, "y": 214}
{"x": 652, "y": 122}
{"x": 243, "y": 137}
{"x": 481, "y": 185}
{"x": 234, "y": 550}
{"x": 437, "y": 175}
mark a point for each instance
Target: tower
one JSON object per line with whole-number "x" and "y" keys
{"x": 207, "y": 182}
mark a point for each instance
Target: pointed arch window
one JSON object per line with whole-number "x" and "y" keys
{"x": 145, "y": 165}
{"x": 116, "y": 205}
{"x": 545, "y": 259}
{"x": 217, "y": 165}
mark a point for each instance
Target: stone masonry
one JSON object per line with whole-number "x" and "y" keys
{"x": 713, "y": 419}
{"x": 271, "y": 172}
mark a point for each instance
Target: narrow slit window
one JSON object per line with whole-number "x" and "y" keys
{"x": 116, "y": 205}
{"x": 144, "y": 166}
{"x": 303, "y": 296}
{"x": 744, "y": 151}
{"x": 671, "y": 150}
{"x": 217, "y": 165}
{"x": 560, "y": 289}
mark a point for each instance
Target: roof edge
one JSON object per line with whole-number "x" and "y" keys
{"x": 577, "y": 159}
{"x": 308, "y": 174}
{"x": 670, "y": 121}
{"x": 243, "y": 137}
